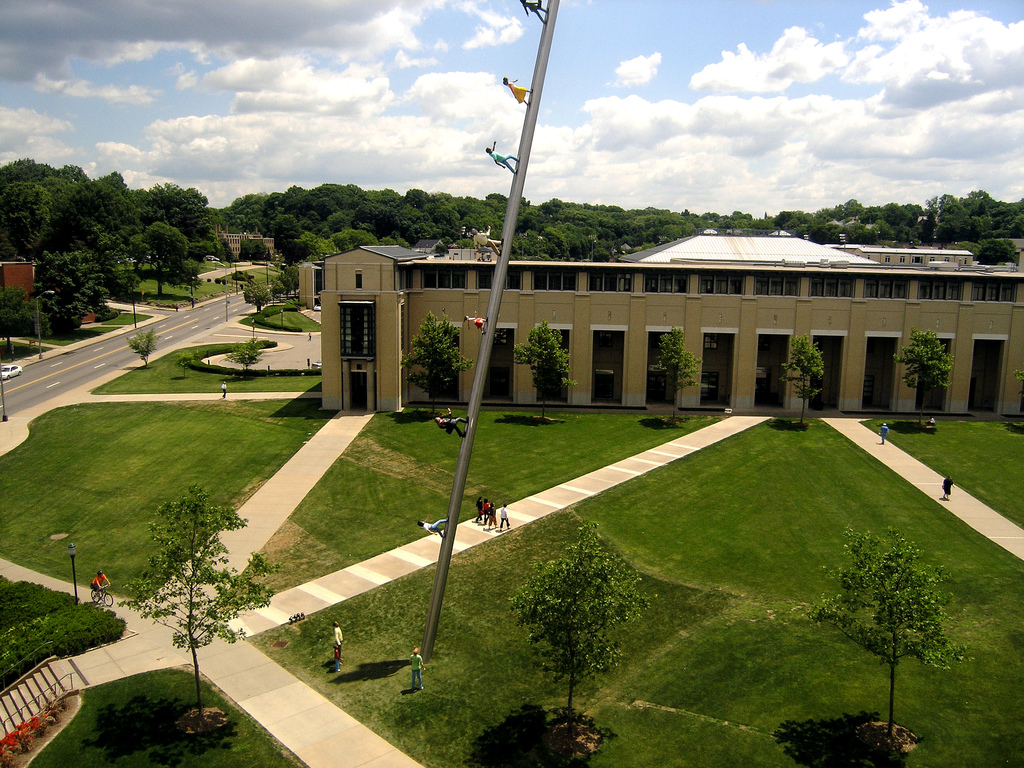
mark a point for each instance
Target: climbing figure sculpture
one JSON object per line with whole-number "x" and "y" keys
{"x": 450, "y": 422}
{"x": 537, "y": 6}
{"x": 483, "y": 242}
{"x": 517, "y": 90}
{"x": 500, "y": 159}
{"x": 477, "y": 321}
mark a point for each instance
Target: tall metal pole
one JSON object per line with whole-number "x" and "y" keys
{"x": 490, "y": 326}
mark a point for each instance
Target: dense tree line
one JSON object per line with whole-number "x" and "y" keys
{"x": 97, "y": 232}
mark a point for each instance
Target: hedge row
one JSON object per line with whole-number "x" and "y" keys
{"x": 38, "y": 622}
{"x": 222, "y": 370}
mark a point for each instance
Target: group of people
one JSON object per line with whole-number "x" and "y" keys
{"x": 415, "y": 660}
{"x": 488, "y": 514}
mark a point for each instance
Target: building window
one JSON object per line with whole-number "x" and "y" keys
{"x": 710, "y": 341}
{"x": 655, "y": 283}
{"x": 502, "y": 337}
{"x": 359, "y": 281}
{"x": 832, "y": 286}
{"x": 765, "y": 285}
{"x": 994, "y": 290}
{"x": 358, "y": 331}
{"x": 444, "y": 278}
{"x": 611, "y": 281}
{"x": 484, "y": 278}
{"x": 939, "y": 290}
{"x": 722, "y": 284}
{"x": 514, "y": 280}
{"x": 554, "y": 281}
{"x": 885, "y": 289}
{"x": 605, "y": 340}
{"x": 405, "y": 280}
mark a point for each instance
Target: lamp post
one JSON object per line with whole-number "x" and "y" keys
{"x": 3, "y": 400}
{"x": 74, "y": 580}
{"x": 39, "y": 326}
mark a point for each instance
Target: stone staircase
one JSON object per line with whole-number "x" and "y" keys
{"x": 30, "y": 694}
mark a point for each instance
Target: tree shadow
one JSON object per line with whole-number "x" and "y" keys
{"x": 832, "y": 743}
{"x": 149, "y": 725}
{"x": 523, "y": 420}
{"x": 373, "y": 670}
{"x": 410, "y": 417}
{"x": 789, "y": 425}
{"x": 663, "y": 422}
{"x": 1015, "y": 428}
{"x": 911, "y": 428}
{"x": 517, "y": 742}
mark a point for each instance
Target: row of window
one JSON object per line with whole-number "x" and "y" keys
{"x": 728, "y": 285}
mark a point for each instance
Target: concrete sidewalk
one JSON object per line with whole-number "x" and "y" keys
{"x": 981, "y": 518}
{"x": 354, "y": 580}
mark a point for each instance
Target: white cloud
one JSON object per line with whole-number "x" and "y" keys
{"x": 495, "y": 30}
{"x": 796, "y": 57}
{"x": 638, "y": 71}
{"x": 922, "y": 61}
{"x": 82, "y": 89}
{"x": 293, "y": 84}
{"x": 27, "y": 133}
{"x": 404, "y": 61}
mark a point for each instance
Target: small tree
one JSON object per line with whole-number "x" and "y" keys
{"x": 246, "y": 354}
{"x": 1019, "y": 375}
{"x": 890, "y": 606}
{"x": 186, "y": 360}
{"x": 188, "y": 586}
{"x": 143, "y": 344}
{"x": 256, "y": 293}
{"x": 926, "y": 363}
{"x": 548, "y": 362}
{"x": 16, "y": 316}
{"x": 571, "y": 605}
{"x": 436, "y": 361}
{"x": 682, "y": 367}
{"x": 804, "y": 369}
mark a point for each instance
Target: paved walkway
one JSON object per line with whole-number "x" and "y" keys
{"x": 338, "y": 586}
{"x": 981, "y": 518}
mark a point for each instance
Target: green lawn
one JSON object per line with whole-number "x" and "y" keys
{"x": 731, "y": 543}
{"x": 273, "y": 319}
{"x": 401, "y": 467}
{"x": 130, "y": 723}
{"x": 164, "y": 375}
{"x": 982, "y": 457}
{"x": 99, "y": 472}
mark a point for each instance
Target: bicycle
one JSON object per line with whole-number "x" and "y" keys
{"x": 102, "y": 597}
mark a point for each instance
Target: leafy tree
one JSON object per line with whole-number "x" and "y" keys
{"x": 25, "y": 215}
{"x": 436, "y": 360}
{"x": 571, "y": 605}
{"x": 77, "y": 285}
{"x": 16, "y": 315}
{"x": 997, "y": 251}
{"x": 548, "y": 362}
{"x": 1019, "y": 375}
{"x": 926, "y": 363}
{"x": 257, "y": 293}
{"x": 290, "y": 279}
{"x": 186, "y": 360}
{"x": 252, "y": 250}
{"x": 890, "y": 606}
{"x": 682, "y": 367}
{"x": 188, "y": 586}
{"x": 166, "y": 249}
{"x": 246, "y": 354}
{"x": 804, "y": 369}
{"x": 143, "y": 344}
{"x": 184, "y": 209}
{"x": 190, "y": 275}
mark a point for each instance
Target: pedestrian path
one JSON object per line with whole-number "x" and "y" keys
{"x": 981, "y": 518}
{"x": 341, "y": 585}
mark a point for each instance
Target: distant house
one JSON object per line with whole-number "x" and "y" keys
{"x": 234, "y": 240}
{"x": 17, "y": 273}
{"x": 425, "y": 246}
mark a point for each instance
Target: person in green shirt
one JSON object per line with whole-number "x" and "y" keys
{"x": 418, "y": 665}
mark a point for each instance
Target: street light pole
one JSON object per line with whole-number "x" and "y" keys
{"x": 72, "y": 549}
{"x": 3, "y": 400}
{"x": 39, "y": 325}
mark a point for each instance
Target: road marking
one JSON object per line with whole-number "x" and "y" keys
{"x": 168, "y": 338}
{"x": 98, "y": 366}
{"x": 54, "y": 365}
{"x": 100, "y": 349}
{"x": 55, "y": 384}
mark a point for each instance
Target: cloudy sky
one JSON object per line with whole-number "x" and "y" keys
{"x": 713, "y": 105}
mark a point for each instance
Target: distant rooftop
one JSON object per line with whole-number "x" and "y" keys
{"x": 769, "y": 248}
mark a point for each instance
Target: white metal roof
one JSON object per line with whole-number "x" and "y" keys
{"x": 740, "y": 248}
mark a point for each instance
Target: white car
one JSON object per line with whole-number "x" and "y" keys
{"x": 9, "y": 371}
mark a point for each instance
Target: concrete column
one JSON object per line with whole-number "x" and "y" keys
{"x": 634, "y": 355}
{"x": 744, "y": 361}
{"x": 962, "y": 346}
{"x": 1008, "y": 399}
{"x": 346, "y": 385}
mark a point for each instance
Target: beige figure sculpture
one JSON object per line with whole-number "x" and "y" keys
{"x": 483, "y": 242}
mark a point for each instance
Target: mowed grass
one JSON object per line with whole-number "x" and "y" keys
{"x": 163, "y": 375}
{"x": 400, "y": 469}
{"x": 732, "y": 543}
{"x": 982, "y": 457}
{"x": 99, "y": 472}
{"x": 130, "y": 723}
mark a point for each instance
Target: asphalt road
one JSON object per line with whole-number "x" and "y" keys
{"x": 58, "y": 374}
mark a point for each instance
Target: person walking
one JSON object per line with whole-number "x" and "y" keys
{"x": 337, "y": 647}
{"x": 479, "y": 508}
{"x": 947, "y": 488}
{"x": 492, "y": 516}
{"x": 884, "y": 432}
{"x": 224, "y": 390}
{"x": 418, "y": 665}
{"x": 504, "y": 518}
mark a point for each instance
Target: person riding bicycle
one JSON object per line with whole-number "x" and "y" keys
{"x": 101, "y": 582}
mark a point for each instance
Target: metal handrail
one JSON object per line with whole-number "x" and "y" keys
{"x": 18, "y": 664}
{"x": 55, "y": 690}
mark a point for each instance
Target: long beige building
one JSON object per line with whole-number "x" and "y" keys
{"x": 739, "y": 300}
